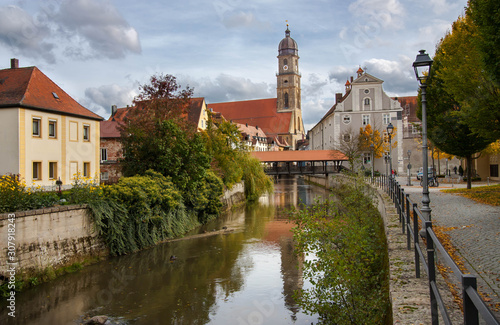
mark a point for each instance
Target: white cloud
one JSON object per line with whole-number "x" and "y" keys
{"x": 101, "y": 98}
{"x": 98, "y": 29}
{"x": 25, "y": 35}
{"x": 386, "y": 13}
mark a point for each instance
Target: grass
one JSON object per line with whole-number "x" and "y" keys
{"x": 483, "y": 194}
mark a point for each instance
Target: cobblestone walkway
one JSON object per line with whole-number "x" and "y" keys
{"x": 474, "y": 230}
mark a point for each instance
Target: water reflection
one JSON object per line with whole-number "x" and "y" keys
{"x": 245, "y": 277}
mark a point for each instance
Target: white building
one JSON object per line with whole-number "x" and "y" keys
{"x": 363, "y": 103}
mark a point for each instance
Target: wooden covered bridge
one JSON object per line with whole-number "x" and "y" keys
{"x": 301, "y": 162}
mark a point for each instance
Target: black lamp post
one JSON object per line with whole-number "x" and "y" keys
{"x": 409, "y": 168}
{"x": 422, "y": 67}
{"x": 390, "y": 130}
{"x": 372, "y": 148}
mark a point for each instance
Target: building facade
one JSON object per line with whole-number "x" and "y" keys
{"x": 364, "y": 103}
{"x": 45, "y": 135}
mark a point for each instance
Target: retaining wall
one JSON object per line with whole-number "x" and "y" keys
{"x": 54, "y": 237}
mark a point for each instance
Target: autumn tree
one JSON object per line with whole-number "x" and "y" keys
{"x": 368, "y": 137}
{"x": 447, "y": 121}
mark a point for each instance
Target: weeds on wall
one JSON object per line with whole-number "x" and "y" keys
{"x": 16, "y": 196}
{"x": 346, "y": 261}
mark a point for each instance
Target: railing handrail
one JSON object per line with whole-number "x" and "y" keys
{"x": 473, "y": 304}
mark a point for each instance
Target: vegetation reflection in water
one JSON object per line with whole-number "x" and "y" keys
{"x": 245, "y": 277}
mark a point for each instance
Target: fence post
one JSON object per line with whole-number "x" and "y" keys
{"x": 471, "y": 315}
{"x": 431, "y": 264}
{"x": 401, "y": 207}
{"x": 415, "y": 240}
{"x": 408, "y": 237}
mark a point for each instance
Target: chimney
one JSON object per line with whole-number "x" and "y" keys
{"x": 338, "y": 97}
{"x": 257, "y": 127}
{"x": 351, "y": 79}
{"x": 14, "y": 63}
{"x": 113, "y": 110}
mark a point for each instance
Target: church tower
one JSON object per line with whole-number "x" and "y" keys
{"x": 288, "y": 89}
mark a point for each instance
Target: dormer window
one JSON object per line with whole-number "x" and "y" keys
{"x": 55, "y": 95}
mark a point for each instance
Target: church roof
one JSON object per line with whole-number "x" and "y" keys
{"x": 288, "y": 45}
{"x": 259, "y": 112}
{"x": 30, "y": 88}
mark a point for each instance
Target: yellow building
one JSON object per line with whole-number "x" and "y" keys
{"x": 45, "y": 135}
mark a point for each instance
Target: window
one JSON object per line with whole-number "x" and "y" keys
{"x": 52, "y": 170}
{"x": 285, "y": 61}
{"x": 386, "y": 118}
{"x": 73, "y": 131}
{"x": 494, "y": 170}
{"x": 367, "y": 91}
{"x": 104, "y": 176}
{"x": 37, "y": 170}
{"x": 367, "y": 101}
{"x": 37, "y": 132}
{"x": 286, "y": 100}
{"x": 347, "y": 137}
{"x": 346, "y": 119}
{"x": 367, "y": 158}
{"x": 86, "y": 132}
{"x": 86, "y": 169}
{"x": 104, "y": 154}
{"x": 366, "y": 120}
{"x": 52, "y": 129}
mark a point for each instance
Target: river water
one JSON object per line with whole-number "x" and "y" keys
{"x": 245, "y": 276}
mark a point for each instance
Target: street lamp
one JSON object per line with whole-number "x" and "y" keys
{"x": 372, "y": 148}
{"x": 422, "y": 67}
{"x": 390, "y": 130}
{"x": 409, "y": 168}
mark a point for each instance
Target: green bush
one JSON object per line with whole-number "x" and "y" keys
{"x": 140, "y": 211}
{"x": 349, "y": 265}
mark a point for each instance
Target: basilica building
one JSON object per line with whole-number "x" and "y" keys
{"x": 281, "y": 117}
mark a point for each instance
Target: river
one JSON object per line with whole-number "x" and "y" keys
{"x": 245, "y": 276}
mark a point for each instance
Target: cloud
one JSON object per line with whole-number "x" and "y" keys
{"x": 386, "y": 13}
{"x": 25, "y": 35}
{"x": 98, "y": 29}
{"x": 226, "y": 88}
{"x": 101, "y": 98}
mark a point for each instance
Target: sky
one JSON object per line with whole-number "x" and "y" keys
{"x": 101, "y": 51}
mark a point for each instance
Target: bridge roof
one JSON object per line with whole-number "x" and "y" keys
{"x": 299, "y": 155}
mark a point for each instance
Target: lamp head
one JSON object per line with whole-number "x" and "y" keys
{"x": 422, "y": 66}
{"x": 390, "y": 129}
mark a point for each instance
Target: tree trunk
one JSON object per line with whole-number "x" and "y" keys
{"x": 469, "y": 172}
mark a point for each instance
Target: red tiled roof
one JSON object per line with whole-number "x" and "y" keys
{"x": 259, "y": 112}
{"x": 30, "y": 88}
{"x": 299, "y": 155}
{"x": 251, "y": 130}
{"x": 195, "y": 108}
{"x": 109, "y": 129}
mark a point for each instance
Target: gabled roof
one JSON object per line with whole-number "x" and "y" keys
{"x": 251, "y": 130}
{"x": 30, "y": 88}
{"x": 259, "y": 112}
{"x": 361, "y": 79}
{"x": 195, "y": 109}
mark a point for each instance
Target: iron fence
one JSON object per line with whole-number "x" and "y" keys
{"x": 409, "y": 217}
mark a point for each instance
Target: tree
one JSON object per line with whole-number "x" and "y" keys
{"x": 157, "y": 135}
{"x": 368, "y": 136}
{"x": 349, "y": 145}
{"x": 446, "y": 121}
{"x": 468, "y": 81}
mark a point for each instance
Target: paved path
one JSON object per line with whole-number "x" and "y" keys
{"x": 474, "y": 230}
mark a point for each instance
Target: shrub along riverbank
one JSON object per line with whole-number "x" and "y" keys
{"x": 349, "y": 270}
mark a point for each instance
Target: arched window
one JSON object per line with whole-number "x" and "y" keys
{"x": 285, "y": 62}
{"x": 286, "y": 100}
{"x": 367, "y": 101}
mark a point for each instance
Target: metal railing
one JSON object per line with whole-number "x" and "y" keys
{"x": 409, "y": 217}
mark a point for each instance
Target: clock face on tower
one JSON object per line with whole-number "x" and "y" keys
{"x": 285, "y": 67}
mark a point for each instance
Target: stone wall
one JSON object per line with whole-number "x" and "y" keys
{"x": 55, "y": 237}
{"x": 234, "y": 196}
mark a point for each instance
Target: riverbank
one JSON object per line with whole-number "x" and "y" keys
{"x": 409, "y": 295}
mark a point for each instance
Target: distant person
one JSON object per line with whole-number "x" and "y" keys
{"x": 455, "y": 169}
